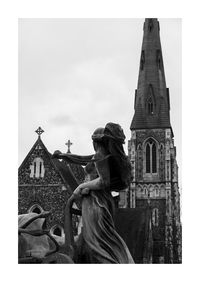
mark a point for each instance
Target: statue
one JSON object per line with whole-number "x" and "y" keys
{"x": 108, "y": 170}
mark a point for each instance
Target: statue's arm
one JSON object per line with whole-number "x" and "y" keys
{"x": 72, "y": 158}
{"x": 101, "y": 182}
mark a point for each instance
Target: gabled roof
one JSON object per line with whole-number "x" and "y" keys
{"x": 38, "y": 142}
{"x": 63, "y": 169}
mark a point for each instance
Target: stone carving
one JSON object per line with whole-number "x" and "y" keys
{"x": 158, "y": 134}
{"x": 99, "y": 232}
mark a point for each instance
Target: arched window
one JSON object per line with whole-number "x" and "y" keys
{"x": 151, "y": 157}
{"x": 36, "y": 209}
{"x": 155, "y": 217}
{"x": 150, "y": 106}
{"x": 148, "y": 157}
{"x": 37, "y": 168}
{"x": 154, "y": 167}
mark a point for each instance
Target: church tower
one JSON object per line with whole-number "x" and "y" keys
{"x": 152, "y": 152}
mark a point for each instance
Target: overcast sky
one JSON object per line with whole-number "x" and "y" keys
{"x": 78, "y": 74}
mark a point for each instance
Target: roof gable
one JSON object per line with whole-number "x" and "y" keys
{"x": 46, "y": 173}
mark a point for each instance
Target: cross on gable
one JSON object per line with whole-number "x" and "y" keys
{"x": 68, "y": 145}
{"x": 39, "y": 131}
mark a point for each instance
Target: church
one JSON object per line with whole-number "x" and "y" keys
{"x": 152, "y": 151}
{"x": 46, "y": 184}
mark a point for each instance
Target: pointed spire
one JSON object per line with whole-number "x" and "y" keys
{"x": 152, "y": 96}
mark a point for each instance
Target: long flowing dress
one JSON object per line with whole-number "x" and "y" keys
{"x": 102, "y": 242}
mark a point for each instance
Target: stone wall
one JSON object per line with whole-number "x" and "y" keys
{"x": 50, "y": 198}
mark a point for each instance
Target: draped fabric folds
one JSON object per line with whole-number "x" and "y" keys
{"x": 103, "y": 243}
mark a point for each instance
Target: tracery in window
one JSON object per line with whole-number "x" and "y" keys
{"x": 148, "y": 158}
{"x": 150, "y": 106}
{"x": 37, "y": 168}
{"x": 154, "y": 166}
{"x": 150, "y": 101}
{"x": 151, "y": 156}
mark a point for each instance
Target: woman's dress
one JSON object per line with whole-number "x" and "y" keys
{"x": 101, "y": 241}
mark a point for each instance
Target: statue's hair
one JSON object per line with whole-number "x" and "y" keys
{"x": 112, "y": 138}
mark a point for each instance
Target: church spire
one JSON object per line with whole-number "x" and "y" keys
{"x": 151, "y": 97}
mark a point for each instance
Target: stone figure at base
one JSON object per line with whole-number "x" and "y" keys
{"x": 108, "y": 170}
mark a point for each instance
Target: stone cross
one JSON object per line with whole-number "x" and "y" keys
{"x": 39, "y": 131}
{"x": 68, "y": 145}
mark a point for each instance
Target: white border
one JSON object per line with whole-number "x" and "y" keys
{"x": 10, "y": 11}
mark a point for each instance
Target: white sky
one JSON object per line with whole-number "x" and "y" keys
{"x": 78, "y": 74}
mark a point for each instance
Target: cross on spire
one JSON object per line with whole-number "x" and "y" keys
{"x": 39, "y": 131}
{"x": 68, "y": 145}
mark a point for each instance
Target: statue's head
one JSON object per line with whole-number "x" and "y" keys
{"x": 98, "y": 134}
{"x": 112, "y": 138}
{"x": 114, "y": 132}
{"x": 110, "y": 131}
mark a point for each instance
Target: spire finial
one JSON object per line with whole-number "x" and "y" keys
{"x": 39, "y": 131}
{"x": 68, "y": 145}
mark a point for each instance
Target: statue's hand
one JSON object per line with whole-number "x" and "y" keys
{"x": 77, "y": 192}
{"x": 56, "y": 154}
{"x": 85, "y": 191}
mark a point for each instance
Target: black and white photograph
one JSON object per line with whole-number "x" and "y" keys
{"x": 100, "y": 149}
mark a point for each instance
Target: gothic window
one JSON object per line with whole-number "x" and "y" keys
{"x": 162, "y": 164}
{"x": 150, "y": 106}
{"x": 36, "y": 209}
{"x": 148, "y": 167}
{"x": 34, "y": 168}
{"x": 150, "y": 101}
{"x": 155, "y": 217}
{"x": 37, "y": 168}
{"x": 151, "y": 157}
{"x": 40, "y": 168}
{"x": 154, "y": 168}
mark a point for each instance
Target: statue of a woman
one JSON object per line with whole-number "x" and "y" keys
{"x": 109, "y": 170}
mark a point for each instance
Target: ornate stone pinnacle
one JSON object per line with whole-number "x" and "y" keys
{"x": 39, "y": 131}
